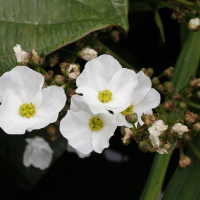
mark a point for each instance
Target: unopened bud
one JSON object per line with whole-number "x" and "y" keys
{"x": 160, "y": 88}
{"x": 187, "y": 137}
{"x": 59, "y": 80}
{"x": 168, "y": 87}
{"x": 37, "y": 60}
{"x": 53, "y": 59}
{"x": 150, "y": 147}
{"x": 166, "y": 146}
{"x": 194, "y": 82}
{"x": 169, "y": 72}
{"x": 87, "y": 53}
{"x": 143, "y": 146}
{"x": 196, "y": 127}
{"x": 63, "y": 67}
{"x": 115, "y": 36}
{"x": 171, "y": 139}
{"x": 131, "y": 118}
{"x": 182, "y": 105}
{"x": 45, "y": 85}
{"x": 148, "y": 119}
{"x": 51, "y": 131}
{"x": 21, "y": 56}
{"x": 184, "y": 162}
{"x": 148, "y": 72}
{"x": 198, "y": 94}
{"x": 168, "y": 106}
{"x": 194, "y": 24}
{"x": 177, "y": 97}
{"x": 155, "y": 81}
{"x": 190, "y": 118}
{"x": 48, "y": 76}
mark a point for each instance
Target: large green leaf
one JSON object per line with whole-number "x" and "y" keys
{"x": 185, "y": 67}
{"x": 47, "y": 25}
{"x": 185, "y": 183}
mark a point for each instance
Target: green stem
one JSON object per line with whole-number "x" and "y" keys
{"x": 37, "y": 69}
{"x": 42, "y": 70}
{"x": 156, "y": 177}
{"x": 183, "y": 89}
{"x": 195, "y": 105}
{"x": 187, "y": 3}
{"x": 193, "y": 149}
{"x": 161, "y": 111}
{"x": 68, "y": 84}
{"x": 172, "y": 7}
{"x": 161, "y": 75}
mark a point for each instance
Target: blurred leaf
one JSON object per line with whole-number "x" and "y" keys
{"x": 184, "y": 33}
{"x": 49, "y": 25}
{"x": 185, "y": 67}
{"x": 185, "y": 184}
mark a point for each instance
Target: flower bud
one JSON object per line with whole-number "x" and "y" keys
{"x": 127, "y": 137}
{"x": 143, "y": 146}
{"x": 169, "y": 72}
{"x": 150, "y": 147}
{"x": 37, "y": 60}
{"x": 148, "y": 72}
{"x": 166, "y": 146}
{"x": 131, "y": 118}
{"x": 160, "y": 88}
{"x": 168, "y": 87}
{"x": 194, "y": 24}
{"x": 63, "y": 67}
{"x": 21, "y": 56}
{"x": 122, "y": 130}
{"x": 53, "y": 59}
{"x": 148, "y": 119}
{"x": 48, "y": 76}
{"x": 72, "y": 71}
{"x": 182, "y": 105}
{"x": 177, "y": 97}
{"x": 194, "y": 82}
{"x": 171, "y": 139}
{"x": 196, "y": 128}
{"x": 190, "y": 118}
{"x": 59, "y": 80}
{"x": 168, "y": 106}
{"x": 187, "y": 137}
{"x": 184, "y": 162}
{"x": 198, "y": 94}
{"x": 161, "y": 143}
{"x": 155, "y": 81}
{"x": 115, "y": 36}
{"x": 51, "y": 131}
{"x": 70, "y": 92}
{"x": 45, "y": 85}
{"x": 87, "y": 53}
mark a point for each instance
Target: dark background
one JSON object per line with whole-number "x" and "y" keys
{"x": 97, "y": 177}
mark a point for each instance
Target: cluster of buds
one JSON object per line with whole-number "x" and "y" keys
{"x": 179, "y": 14}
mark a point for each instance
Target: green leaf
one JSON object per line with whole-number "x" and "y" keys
{"x": 185, "y": 183}
{"x": 48, "y": 25}
{"x": 185, "y": 67}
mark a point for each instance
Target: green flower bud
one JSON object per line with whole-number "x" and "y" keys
{"x": 182, "y": 105}
{"x": 143, "y": 146}
{"x": 169, "y": 72}
{"x": 155, "y": 81}
{"x": 162, "y": 143}
{"x": 160, "y": 88}
{"x": 171, "y": 139}
{"x": 48, "y": 76}
{"x": 115, "y": 36}
{"x": 168, "y": 87}
{"x": 196, "y": 128}
{"x": 53, "y": 59}
{"x": 198, "y": 94}
{"x": 131, "y": 118}
{"x": 122, "y": 130}
{"x": 190, "y": 118}
{"x": 59, "y": 80}
{"x": 37, "y": 60}
{"x": 168, "y": 106}
{"x": 187, "y": 137}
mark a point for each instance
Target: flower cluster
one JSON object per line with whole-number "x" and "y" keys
{"x": 108, "y": 93}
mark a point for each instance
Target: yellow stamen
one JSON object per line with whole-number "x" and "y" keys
{"x": 27, "y": 110}
{"x": 105, "y": 96}
{"x": 128, "y": 110}
{"x": 96, "y": 123}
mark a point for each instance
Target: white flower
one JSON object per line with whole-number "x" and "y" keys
{"x": 194, "y": 24}
{"x": 20, "y": 55}
{"x": 88, "y": 54}
{"x": 143, "y": 100}
{"x": 74, "y": 71}
{"x": 155, "y": 130}
{"x": 105, "y": 85}
{"x": 80, "y": 155}
{"x": 24, "y": 104}
{"x": 84, "y": 130}
{"x": 180, "y": 129}
{"x": 37, "y": 153}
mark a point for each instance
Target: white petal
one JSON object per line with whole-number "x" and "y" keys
{"x": 162, "y": 151}
{"x": 121, "y": 121}
{"x": 154, "y": 140}
{"x": 139, "y": 114}
{"x": 22, "y": 81}
{"x": 122, "y": 87}
{"x": 75, "y": 127}
{"x": 26, "y": 157}
{"x": 53, "y": 101}
{"x": 41, "y": 158}
{"x": 151, "y": 100}
{"x": 143, "y": 87}
{"x": 100, "y": 139}
{"x": 98, "y": 72}
{"x": 80, "y": 155}
{"x": 10, "y": 119}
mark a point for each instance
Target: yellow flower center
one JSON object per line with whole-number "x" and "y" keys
{"x": 105, "y": 96}
{"x": 27, "y": 110}
{"x": 95, "y": 123}
{"x": 128, "y": 110}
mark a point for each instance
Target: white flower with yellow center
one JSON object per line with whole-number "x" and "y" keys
{"x": 155, "y": 130}
{"x": 84, "y": 130}
{"x": 144, "y": 99}
{"x": 37, "y": 153}
{"x": 24, "y": 104}
{"x": 105, "y": 85}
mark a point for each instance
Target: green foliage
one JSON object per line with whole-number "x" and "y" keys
{"x": 50, "y": 25}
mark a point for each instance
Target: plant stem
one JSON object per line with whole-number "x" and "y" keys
{"x": 172, "y": 7}
{"x": 195, "y": 105}
{"x": 187, "y": 3}
{"x": 193, "y": 149}
{"x": 156, "y": 177}
{"x": 161, "y": 75}
{"x": 42, "y": 70}
{"x": 68, "y": 84}
{"x": 37, "y": 69}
